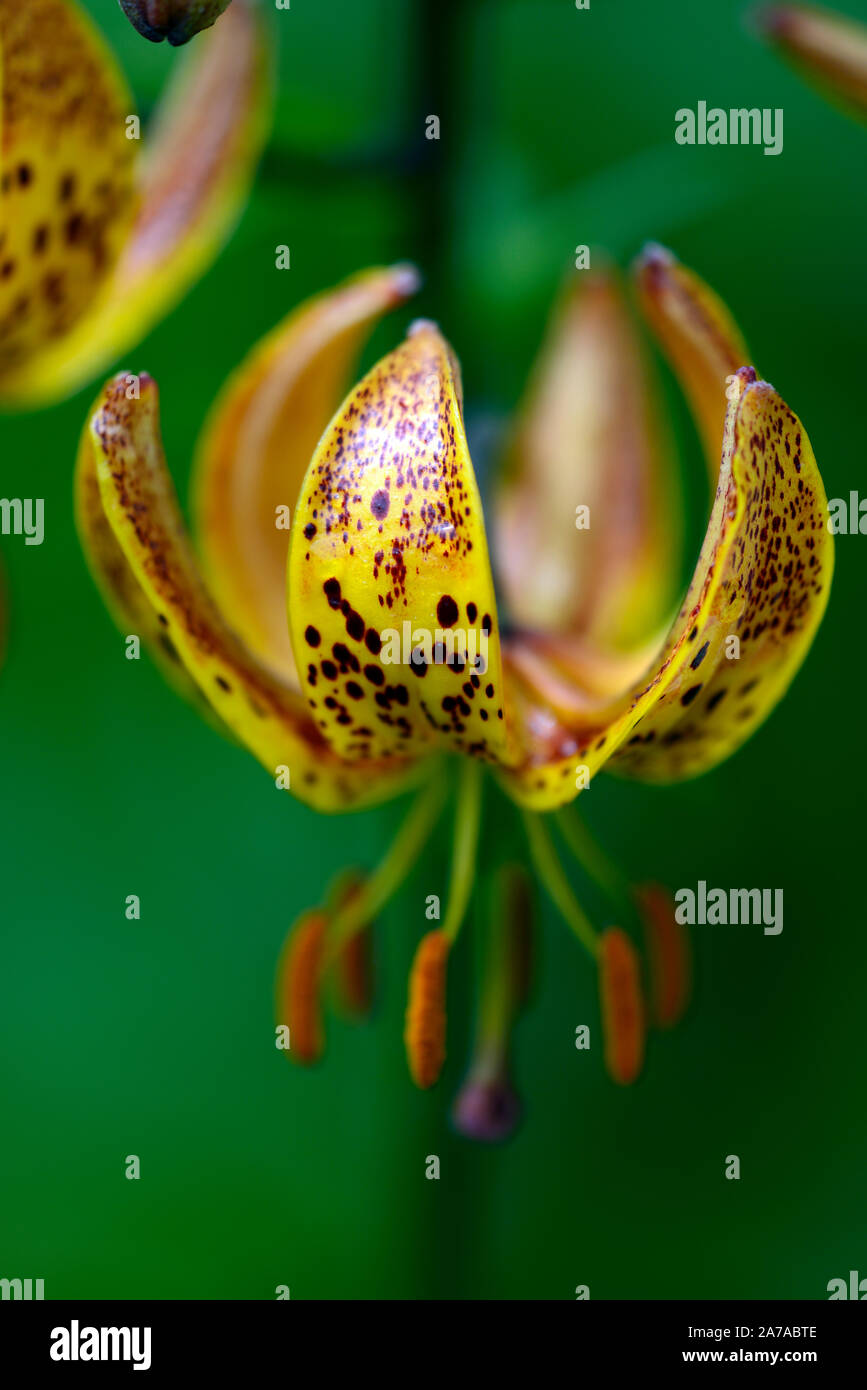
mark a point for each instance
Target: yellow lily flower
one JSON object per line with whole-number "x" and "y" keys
{"x": 95, "y": 244}
{"x": 829, "y": 49}
{"x": 175, "y": 20}
{"x": 395, "y": 654}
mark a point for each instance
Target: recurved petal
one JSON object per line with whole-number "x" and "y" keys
{"x": 699, "y": 337}
{"x": 756, "y": 599}
{"x": 126, "y": 601}
{"x": 389, "y": 585}
{"x": 200, "y": 159}
{"x": 587, "y": 539}
{"x": 67, "y": 196}
{"x": 268, "y": 717}
{"x": 259, "y": 441}
{"x": 175, "y": 20}
{"x": 829, "y": 49}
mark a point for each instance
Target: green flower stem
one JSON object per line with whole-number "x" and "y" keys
{"x": 550, "y": 871}
{"x": 392, "y": 871}
{"x": 465, "y": 846}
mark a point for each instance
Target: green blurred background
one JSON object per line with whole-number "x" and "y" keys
{"x": 156, "y": 1038}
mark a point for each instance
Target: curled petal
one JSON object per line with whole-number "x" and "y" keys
{"x": 755, "y": 602}
{"x": 622, "y": 1003}
{"x": 259, "y": 441}
{"x": 391, "y": 602}
{"x": 425, "y": 1030}
{"x": 264, "y": 714}
{"x": 68, "y": 196}
{"x": 585, "y": 538}
{"x": 199, "y": 163}
{"x": 699, "y": 337}
{"x": 175, "y": 20}
{"x": 829, "y": 49}
{"x": 299, "y": 979}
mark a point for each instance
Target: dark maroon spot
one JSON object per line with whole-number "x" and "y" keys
{"x": 484, "y": 714}
{"x": 486, "y": 623}
{"x": 699, "y": 656}
{"x": 447, "y": 611}
{"x": 223, "y": 684}
{"x": 489, "y": 691}
{"x": 373, "y": 641}
{"x": 379, "y": 504}
{"x": 310, "y": 530}
{"x": 332, "y": 592}
{"x": 690, "y": 695}
{"x": 374, "y": 674}
{"x": 354, "y": 690}
{"x": 472, "y": 612}
{"x": 355, "y": 625}
{"x": 417, "y": 663}
{"x": 329, "y": 670}
{"x": 312, "y": 635}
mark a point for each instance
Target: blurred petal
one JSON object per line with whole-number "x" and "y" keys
{"x": 68, "y": 195}
{"x": 199, "y": 165}
{"x": 388, "y": 556}
{"x": 829, "y": 49}
{"x": 258, "y": 444}
{"x": 755, "y": 602}
{"x": 268, "y": 717}
{"x": 588, "y": 436}
{"x": 175, "y": 20}
{"x": 699, "y": 337}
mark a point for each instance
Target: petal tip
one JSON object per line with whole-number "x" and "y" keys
{"x": 418, "y": 327}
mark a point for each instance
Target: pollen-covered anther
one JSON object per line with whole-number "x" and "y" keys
{"x": 425, "y": 1031}
{"x": 668, "y": 953}
{"x": 299, "y": 987}
{"x": 353, "y": 964}
{"x": 622, "y": 1003}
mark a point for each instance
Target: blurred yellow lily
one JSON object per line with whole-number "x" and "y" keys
{"x": 829, "y": 49}
{"x": 395, "y": 653}
{"x": 95, "y": 245}
{"x": 175, "y": 20}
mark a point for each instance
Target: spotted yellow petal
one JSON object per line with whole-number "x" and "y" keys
{"x": 259, "y": 442}
{"x": 827, "y": 48}
{"x": 200, "y": 158}
{"x": 391, "y": 602}
{"x": 175, "y": 20}
{"x": 67, "y": 195}
{"x": 756, "y": 599}
{"x": 264, "y": 714}
{"x": 586, "y": 534}
{"x": 125, "y": 599}
{"x": 698, "y": 335}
